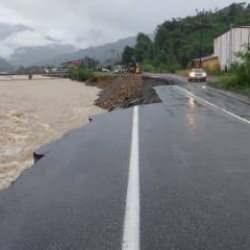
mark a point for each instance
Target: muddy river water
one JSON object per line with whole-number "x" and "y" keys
{"x": 33, "y": 113}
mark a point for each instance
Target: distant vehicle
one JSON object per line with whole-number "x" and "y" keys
{"x": 197, "y": 74}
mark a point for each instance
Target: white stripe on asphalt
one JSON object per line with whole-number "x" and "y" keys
{"x": 131, "y": 230}
{"x": 199, "y": 99}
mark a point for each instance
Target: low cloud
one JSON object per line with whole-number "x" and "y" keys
{"x": 7, "y": 30}
{"x": 89, "y": 22}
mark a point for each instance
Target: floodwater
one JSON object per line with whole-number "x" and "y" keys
{"x": 33, "y": 113}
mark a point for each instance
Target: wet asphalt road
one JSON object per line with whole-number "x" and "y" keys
{"x": 74, "y": 197}
{"x": 194, "y": 165}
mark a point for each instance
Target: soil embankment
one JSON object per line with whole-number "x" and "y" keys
{"x": 125, "y": 91}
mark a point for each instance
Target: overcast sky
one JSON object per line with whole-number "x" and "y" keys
{"x": 85, "y": 23}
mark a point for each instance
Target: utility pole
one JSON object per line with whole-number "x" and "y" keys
{"x": 248, "y": 43}
{"x": 201, "y": 35}
{"x": 201, "y": 26}
{"x": 201, "y": 40}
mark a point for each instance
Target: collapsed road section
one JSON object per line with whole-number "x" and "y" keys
{"x": 187, "y": 183}
{"x": 125, "y": 91}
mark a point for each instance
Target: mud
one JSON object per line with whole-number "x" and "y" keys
{"x": 126, "y": 91}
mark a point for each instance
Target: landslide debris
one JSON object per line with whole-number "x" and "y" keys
{"x": 125, "y": 91}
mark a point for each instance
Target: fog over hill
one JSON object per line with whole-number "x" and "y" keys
{"x": 21, "y": 45}
{"x": 107, "y": 53}
{"x": 4, "y": 65}
{"x": 56, "y": 54}
{"x": 28, "y": 56}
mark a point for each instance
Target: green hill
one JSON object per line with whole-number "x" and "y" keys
{"x": 178, "y": 41}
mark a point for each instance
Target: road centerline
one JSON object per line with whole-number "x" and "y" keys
{"x": 131, "y": 230}
{"x": 202, "y": 100}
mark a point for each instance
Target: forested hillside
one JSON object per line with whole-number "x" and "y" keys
{"x": 180, "y": 40}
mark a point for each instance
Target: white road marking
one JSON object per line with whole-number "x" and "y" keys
{"x": 188, "y": 93}
{"x": 131, "y": 230}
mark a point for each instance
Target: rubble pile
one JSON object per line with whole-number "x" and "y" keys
{"x": 125, "y": 91}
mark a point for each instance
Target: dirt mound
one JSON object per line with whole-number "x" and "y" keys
{"x": 125, "y": 91}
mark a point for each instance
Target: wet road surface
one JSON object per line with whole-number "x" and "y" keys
{"x": 232, "y": 102}
{"x": 174, "y": 175}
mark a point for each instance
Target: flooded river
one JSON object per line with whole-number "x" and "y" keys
{"x": 33, "y": 113}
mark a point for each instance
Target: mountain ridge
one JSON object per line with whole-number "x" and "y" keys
{"x": 45, "y": 55}
{"x": 5, "y": 65}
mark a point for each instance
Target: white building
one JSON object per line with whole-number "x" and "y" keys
{"x": 227, "y": 46}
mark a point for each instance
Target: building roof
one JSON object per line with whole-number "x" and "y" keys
{"x": 234, "y": 27}
{"x": 206, "y": 58}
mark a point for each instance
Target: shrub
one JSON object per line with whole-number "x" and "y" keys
{"x": 241, "y": 70}
{"x": 238, "y": 77}
{"x": 227, "y": 81}
{"x": 147, "y": 67}
{"x": 81, "y": 74}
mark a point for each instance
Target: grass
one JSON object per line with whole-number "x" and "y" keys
{"x": 183, "y": 72}
{"x": 230, "y": 82}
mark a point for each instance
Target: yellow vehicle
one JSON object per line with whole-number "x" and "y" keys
{"x": 135, "y": 69}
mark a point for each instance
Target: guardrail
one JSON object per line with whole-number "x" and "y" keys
{"x": 54, "y": 74}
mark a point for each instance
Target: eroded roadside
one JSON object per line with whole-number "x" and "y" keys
{"x": 35, "y": 113}
{"x": 126, "y": 90}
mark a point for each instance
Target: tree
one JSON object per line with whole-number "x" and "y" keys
{"x": 178, "y": 41}
{"x": 143, "y": 48}
{"x": 128, "y": 55}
